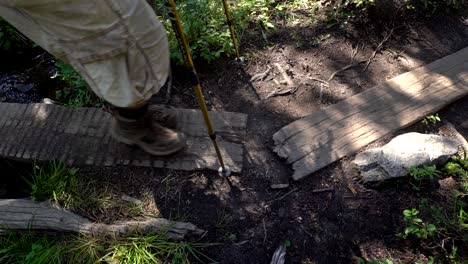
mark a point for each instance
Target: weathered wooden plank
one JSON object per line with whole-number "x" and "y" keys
{"x": 316, "y": 161}
{"x": 335, "y": 132}
{"x": 402, "y": 81}
{"x": 80, "y": 136}
{"x": 299, "y": 145}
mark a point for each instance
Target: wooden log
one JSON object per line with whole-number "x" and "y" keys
{"x": 24, "y": 214}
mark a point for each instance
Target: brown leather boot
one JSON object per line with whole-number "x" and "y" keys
{"x": 147, "y": 133}
{"x": 164, "y": 115}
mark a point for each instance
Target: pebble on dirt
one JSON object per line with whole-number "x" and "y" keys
{"x": 403, "y": 152}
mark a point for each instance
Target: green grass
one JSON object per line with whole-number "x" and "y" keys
{"x": 423, "y": 175}
{"x": 75, "y": 91}
{"x": 64, "y": 185}
{"x": 52, "y": 181}
{"x": 153, "y": 249}
{"x": 57, "y": 182}
{"x": 36, "y": 248}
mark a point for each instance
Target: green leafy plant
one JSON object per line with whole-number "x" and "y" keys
{"x": 421, "y": 176}
{"x": 431, "y": 119}
{"x": 415, "y": 226}
{"x": 11, "y": 39}
{"x": 425, "y": 173}
{"x": 430, "y": 7}
{"x": 458, "y": 167}
{"x": 343, "y": 11}
{"x": 206, "y": 29}
{"x": 448, "y": 220}
{"x": 452, "y": 223}
{"x": 76, "y": 92}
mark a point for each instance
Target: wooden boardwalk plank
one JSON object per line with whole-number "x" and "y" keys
{"x": 79, "y": 136}
{"x": 323, "y": 137}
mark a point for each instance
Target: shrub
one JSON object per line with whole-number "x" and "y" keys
{"x": 11, "y": 39}
{"x": 206, "y": 29}
{"x": 424, "y": 173}
{"x": 76, "y": 91}
{"x": 416, "y": 226}
{"x": 430, "y": 7}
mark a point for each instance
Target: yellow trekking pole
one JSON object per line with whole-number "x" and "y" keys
{"x": 224, "y": 170}
{"x": 231, "y": 28}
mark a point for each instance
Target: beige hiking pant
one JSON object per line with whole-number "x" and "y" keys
{"x": 118, "y": 46}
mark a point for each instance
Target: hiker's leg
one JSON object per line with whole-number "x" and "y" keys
{"x": 118, "y": 46}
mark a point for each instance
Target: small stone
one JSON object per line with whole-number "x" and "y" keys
{"x": 402, "y": 153}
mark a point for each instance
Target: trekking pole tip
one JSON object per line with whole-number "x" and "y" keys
{"x": 226, "y": 172}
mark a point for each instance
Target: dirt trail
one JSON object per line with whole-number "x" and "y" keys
{"x": 243, "y": 213}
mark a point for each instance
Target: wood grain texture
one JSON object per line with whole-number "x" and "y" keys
{"x": 24, "y": 214}
{"x": 321, "y": 138}
{"x": 79, "y": 136}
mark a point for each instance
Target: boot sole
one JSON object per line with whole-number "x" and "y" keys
{"x": 143, "y": 146}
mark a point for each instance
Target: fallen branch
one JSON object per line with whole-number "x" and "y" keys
{"x": 347, "y": 67}
{"x": 317, "y": 79}
{"x": 351, "y": 65}
{"x": 279, "y": 91}
{"x": 371, "y": 58}
{"x": 283, "y": 196}
{"x": 261, "y": 76}
{"x": 284, "y": 74}
{"x": 24, "y": 214}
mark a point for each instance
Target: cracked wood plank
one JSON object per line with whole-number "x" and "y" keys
{"x": 326, "y": 136}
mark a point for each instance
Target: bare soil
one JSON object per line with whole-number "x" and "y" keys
{"x": 243, "y": 213}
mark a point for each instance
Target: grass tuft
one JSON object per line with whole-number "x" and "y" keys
{"x": 36, "y": 248}
{"x": 55, "y": 181}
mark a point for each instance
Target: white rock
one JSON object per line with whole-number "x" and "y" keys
{"x": 403, "y": 152}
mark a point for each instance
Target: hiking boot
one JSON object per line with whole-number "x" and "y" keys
{"x": 163, "y": 114}
{"x": 148, "y": 134}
